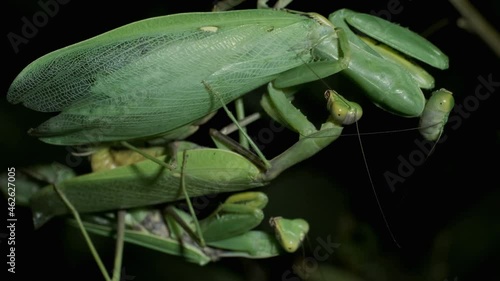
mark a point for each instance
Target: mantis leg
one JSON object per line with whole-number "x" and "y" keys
{"x": 311, "y": 140}
{"x": 240, "y": 114}
{"x": 235, "y": 121}
{"x": 120, "y": 231}
{"x": 280, "y": 4}
{"x": 226, "y": 5}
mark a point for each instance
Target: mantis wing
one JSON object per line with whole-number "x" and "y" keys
{"x": 145, "y": 79}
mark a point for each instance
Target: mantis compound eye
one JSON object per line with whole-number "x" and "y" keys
{"x": 343, "y": 112}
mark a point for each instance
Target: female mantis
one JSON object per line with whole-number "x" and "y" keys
{"x": 132, "y": 82}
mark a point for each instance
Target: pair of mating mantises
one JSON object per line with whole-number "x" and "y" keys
{"x": 161, "y": 77}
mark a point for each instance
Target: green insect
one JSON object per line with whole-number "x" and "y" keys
{"x": 120, "y": 183}
{"x": 227, "y": 232}
{"x": 162, "y": 77}
{"x": 148, "y": 79}
{"x": 206, "y": 170}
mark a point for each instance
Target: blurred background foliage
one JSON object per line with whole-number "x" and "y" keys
{"x": 444, "y": 215}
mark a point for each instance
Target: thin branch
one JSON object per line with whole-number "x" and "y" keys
{"x": 478, "y": 24}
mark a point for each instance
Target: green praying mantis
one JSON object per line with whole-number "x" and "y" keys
{"x": 227, "y": 232}
{"x": 159, "y": 77}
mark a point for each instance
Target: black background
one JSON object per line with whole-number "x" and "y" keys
{"x": 451, "y": 200}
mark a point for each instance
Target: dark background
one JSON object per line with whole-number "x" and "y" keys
{"x": 444, "y": 215}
